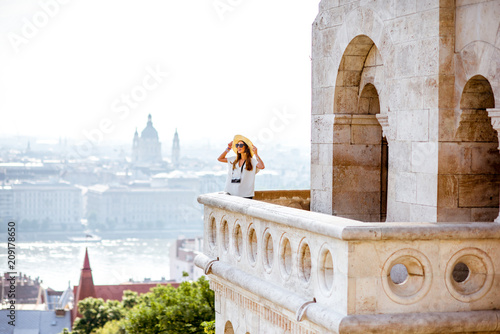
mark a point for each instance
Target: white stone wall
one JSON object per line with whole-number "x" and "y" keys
{"x": 419, "y": 77}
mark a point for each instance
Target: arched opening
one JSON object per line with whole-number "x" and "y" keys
{"x": 360, "y": 152}
{"x": 470, "y": 164}
{"x": 228, "y": 329}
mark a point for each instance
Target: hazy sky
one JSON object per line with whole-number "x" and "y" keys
{"x": 211, "y": 69}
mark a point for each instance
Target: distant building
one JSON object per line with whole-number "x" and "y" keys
{"x": 140, "y": 206}
{"x": 29, "y": 170}
{"x": 35, "y": 322}
{"x": 182, "y": 254}
{"x": 176, "y": 150}
{"x": 146, "y": 148}
{"x": 47, "y": 206}
{"x": 38, "y": 310}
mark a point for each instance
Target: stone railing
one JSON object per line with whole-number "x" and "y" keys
{"x": 308, "y": 272}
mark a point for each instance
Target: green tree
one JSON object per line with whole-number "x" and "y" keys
{"x": 96, "y": 313}
{"x": 186, "y": 309}
{"x": 169, "y": 310}
{"x": 130, "y": 299}
{"x": 112, "y": 327}
{"x": 209, "y": 326}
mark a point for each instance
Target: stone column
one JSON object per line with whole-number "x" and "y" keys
{"x": 494, "y": 114}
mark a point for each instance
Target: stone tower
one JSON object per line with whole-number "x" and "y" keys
{"x": 176, "y": 150}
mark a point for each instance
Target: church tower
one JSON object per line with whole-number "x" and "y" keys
{"x": 86, "y": 287}
{"x": 176, "y": 150}
{"x": 147, "y": 147}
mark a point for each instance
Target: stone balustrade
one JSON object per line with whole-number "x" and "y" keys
{"x": 305, "y": 272}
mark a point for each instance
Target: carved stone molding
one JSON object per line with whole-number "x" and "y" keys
{"x": 383, "y": 119}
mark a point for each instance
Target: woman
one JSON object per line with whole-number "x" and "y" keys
{"x": 241, "y": 168}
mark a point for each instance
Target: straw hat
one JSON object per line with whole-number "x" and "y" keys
{"x": 244, "y": 139}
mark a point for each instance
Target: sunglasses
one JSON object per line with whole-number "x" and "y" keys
{"x": 239, "y": 145}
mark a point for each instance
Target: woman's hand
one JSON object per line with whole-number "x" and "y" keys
{"x": 222, "y": 157}
{"x": 260, "y": 163}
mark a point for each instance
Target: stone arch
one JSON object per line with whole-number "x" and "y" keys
{"x": 365, "y": 22}
{"x": 469, "y": 184}
{"x": 228, "y": 328}
{"x": 359, "y": 154}
{"x": 477, "y": 58}
{"x": 360, "y": 25}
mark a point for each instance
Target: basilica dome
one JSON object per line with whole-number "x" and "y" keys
{"x": 149, "y": 131}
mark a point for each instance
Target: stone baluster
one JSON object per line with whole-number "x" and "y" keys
{"x": 494, "y": 114}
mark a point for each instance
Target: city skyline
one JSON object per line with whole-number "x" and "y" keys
{"x": 72, "y": 69}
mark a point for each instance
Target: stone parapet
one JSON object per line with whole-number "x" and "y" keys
{"x": 362, "y": 277}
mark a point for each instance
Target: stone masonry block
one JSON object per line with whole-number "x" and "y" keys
{"x": 454, "y": 215}
{"x": 321, "y": 201}
{"x": 356, "y": 155}
{"x": 328, "y": 4}
{"x": 425, "y": 5}
{"x": 446, "y": 91}
{"x": 423, "y": 213}
{"x": 412, "y": 93}
{"x": 346, "y": 100}
{"x": 400, "y": 156}
{"x": 341, "y": 134}
{"x": 315, "y": 154}
{"x": 324, "y": 72}
{"x": 356, "y": 202}
{"x": 366, "y": 134}
{"x": 446, "y": 55}
{"x": 316, "y": 177}
{"x": 424, "y": 157}
{"x": 428, "y": 62}
{"x": 455, "y": 158}
{"x": 405, "y": 7}
{"x": 429, "y": 21}
{"x": 325, "y": 154}
{"x": 485, "y": 158}
{"x": 413, "y": 125}
{"x": 406, "y": 187}
{"x": 427, "y": 189}
{"x": 322, "y": 129}
{"x": 447, "y": 124}
{"x": 430, "y": 92}
{"x": 356, "y": 178}
{"x": 447, "y": 191}
{"x": 407, "y": 59}
{"x": 322, "y": 100}
{"x": 484, "y": 214}
{"x": 329, "y": 18}
{"x": 478, "y": 191}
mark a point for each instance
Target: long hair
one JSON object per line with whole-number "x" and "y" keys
{"x": 248, "y": 160}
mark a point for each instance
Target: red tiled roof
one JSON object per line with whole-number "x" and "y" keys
{"x": 115, "y": 292}
{"x": 106, "y": 292}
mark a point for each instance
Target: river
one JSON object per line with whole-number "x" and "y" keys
{"x": 116, "y": 258}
